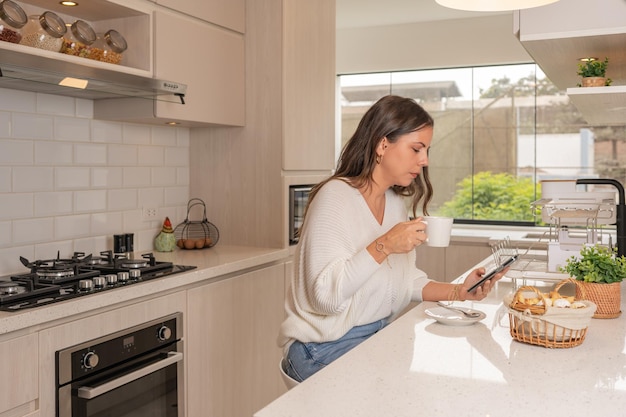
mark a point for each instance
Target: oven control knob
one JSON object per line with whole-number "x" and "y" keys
{"x": 90, "y": 360}
{"x": 164, "y": 333}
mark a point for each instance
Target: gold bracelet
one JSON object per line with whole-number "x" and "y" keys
{"x": 380, "y": 248}
{"x": 454, "y": 294}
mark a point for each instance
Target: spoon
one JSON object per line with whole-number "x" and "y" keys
{"x": 470, "y": 314}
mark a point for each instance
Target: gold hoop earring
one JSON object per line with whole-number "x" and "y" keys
{"x": 379, "y": 159}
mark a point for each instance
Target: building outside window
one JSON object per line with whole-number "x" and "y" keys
{"x": 499, "y": 131}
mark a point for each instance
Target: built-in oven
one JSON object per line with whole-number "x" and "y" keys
{"x": 298, "y": 198}
{"x": 135, "y": 372}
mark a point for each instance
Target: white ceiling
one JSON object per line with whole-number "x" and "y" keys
{"x": 361, "y": 13}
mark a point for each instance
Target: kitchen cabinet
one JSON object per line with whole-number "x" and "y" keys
{"x": 91, "y": 327}
{"x": 207, "y": 58}
{"x": 447, "y": 264}
{"x": 19, "y": 384}
{"x": 308, "y": 37}
{"x": 556, "y": 38}
{"x": 228, "y": 13}
{"x": 232, "y": 354}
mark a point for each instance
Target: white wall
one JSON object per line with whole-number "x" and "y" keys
{"x": 441, "y": 44}
{"x": 69, "y": 182}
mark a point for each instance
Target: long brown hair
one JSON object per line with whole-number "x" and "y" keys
{"x": 390, "y": 117}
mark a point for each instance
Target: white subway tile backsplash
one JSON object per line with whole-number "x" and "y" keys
{"x": 122, "y": 155}
{"x": 177, "y": 157}
{"x": 5, "y": 124}
{"x": 5, "y": 179}
{"x": 90, "y": 154}
{"x": 68, "y": 227}
{"x": 28, "y": 126}
{"x": 92, "y": 200}
{"x": 164, "y": 175}
{"x": 84, "y": 108}
{"x": 16, "y": 206}
{"x": 16, "y": 152}
{"x": 105, "y": 131}
{"x": 72, "y": 129}
{"x": 182, "y": 176}
{"x": 53, "y": 153}
{"x": 106, "y": 223}
{"x": 6, "y": 236}
{"x": 18, "y": 101}
{"x": 72, "y": 178}
{"x": 33, "y": 230}
{"x": 151, "y": 197}
{"x": 53, "y": 104}
{"x": 106, "y": 177}
{"x": 136, "y": 134}
{"x": 182, "y": 136}
{"x": 136, "y": 177}
{"x": 151, "y": 155}
{"x": 33, "y": 179}
{"x": 122, "y": 199}
{"x": 176, "y": 195}
{"x": 69, "y": 182}
{"x": 164, "y": 135}
{"x": 53, "y": 204}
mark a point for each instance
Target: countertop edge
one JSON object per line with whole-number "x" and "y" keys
{"x": 212, "y": 263}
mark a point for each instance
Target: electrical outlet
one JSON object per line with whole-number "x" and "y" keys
{"x": 149, "y": 214}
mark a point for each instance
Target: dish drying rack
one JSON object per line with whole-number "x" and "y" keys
{"x": 575, "y": 220}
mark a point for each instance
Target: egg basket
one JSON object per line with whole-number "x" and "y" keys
{"x": 535, "y": 322}
{"x": 196, "y": 234}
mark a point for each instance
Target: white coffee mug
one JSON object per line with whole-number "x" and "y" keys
{"x": 438, "y": 230}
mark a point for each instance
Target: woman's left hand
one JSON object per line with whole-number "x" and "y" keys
{"x": 482, "y": 290}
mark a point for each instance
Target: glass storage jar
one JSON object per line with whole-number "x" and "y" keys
{"x": 108, "y": 47}
{"x": 12, "y": 20}
{"x": 44, "y": 32}
{"x": 78, "y": 39}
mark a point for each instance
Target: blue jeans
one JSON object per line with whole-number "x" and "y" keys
{"x": 305, "y": 359}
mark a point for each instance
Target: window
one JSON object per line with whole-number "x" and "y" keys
{"x": 499, "y": 131}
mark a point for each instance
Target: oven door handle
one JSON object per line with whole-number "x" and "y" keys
{"x": 92, "y": 392}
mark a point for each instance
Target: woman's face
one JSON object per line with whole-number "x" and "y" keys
{"x": 403, "y": 160}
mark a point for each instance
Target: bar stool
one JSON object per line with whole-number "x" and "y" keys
{"x": 289, "y": 381}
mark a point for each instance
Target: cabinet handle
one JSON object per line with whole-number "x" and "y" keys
{"x": 92, "y": 392}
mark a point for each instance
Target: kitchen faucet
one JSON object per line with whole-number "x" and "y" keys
{"x": 621, "y": 209}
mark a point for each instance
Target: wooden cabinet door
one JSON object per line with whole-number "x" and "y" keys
{"x": 19, "y": 386}
{"x": 209, "y": 60}
{"x": 232, "y": 356}
{"x": 227, "y": 13}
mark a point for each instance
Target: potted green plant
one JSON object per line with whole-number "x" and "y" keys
{"x": 593, "y": 73}
{"x": 601, "y": 272}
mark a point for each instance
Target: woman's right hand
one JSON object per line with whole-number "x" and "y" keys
{"x": 404, "y": 237}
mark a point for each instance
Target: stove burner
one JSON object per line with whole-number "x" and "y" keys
{"x": 10, "y": 288}
{"x": 54, "y": 273}
{"x": 133, "y": 263}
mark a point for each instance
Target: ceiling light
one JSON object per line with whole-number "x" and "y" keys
{"x": 493, "y": 5}
{"x": 589, "y": 59}
{"x": 69, "y": 3}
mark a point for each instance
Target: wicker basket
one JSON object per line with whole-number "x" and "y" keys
{"x": 547, "y": 326}
{"x": 202, "y": 233}
{"x": 606, "y": 296}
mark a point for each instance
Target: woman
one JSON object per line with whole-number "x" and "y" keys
{"x": 355, "y": 260}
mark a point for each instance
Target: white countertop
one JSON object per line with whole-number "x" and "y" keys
{"x": 419, "y": 367}
{"x": 211, "y": 263}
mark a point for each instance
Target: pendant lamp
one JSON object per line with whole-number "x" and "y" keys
{"x": 493, "y": 5}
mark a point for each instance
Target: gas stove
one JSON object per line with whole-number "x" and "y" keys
{"x": 54, "y": 280}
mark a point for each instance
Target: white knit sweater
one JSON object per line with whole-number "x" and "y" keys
{"x": 337, "y": 284}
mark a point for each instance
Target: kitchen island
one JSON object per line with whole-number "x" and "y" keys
{"x": 419, "y": 367}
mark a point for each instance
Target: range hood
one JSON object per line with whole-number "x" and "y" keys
{"x": 44, "y": 73}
